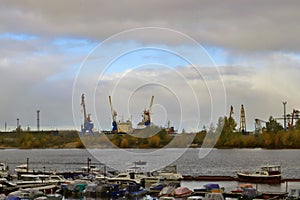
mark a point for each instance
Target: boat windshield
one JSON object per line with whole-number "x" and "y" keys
{"x": 274, "y": 168}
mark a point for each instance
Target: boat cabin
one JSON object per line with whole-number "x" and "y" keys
{"x": 272, "y": 169}
{"x": 21, "y": 168}
{"x": 30, "y": 177}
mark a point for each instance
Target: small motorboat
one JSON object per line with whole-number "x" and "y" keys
{"x": 140, "y": 162}
{"x": 134, "y": 190}
{"x": 167, "y": 191}
{"x": 241, "y": 187}
{"x": 182, "y": 192}
{"x": 157, "y": 187}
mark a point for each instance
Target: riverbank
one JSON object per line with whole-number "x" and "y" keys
{"x": 227, "y": 140}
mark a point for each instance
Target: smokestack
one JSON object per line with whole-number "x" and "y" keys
{"x": 38, "y": 119}
{"x": 284, "y": 114}
{"x": 18, "y": 122}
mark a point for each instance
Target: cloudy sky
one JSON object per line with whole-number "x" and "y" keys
{"x": 197, "y": 58}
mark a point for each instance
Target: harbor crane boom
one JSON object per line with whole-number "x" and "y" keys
{"x": 87, "y": 122}
{"x": 147, "y": 113}
{"x": 258, "y": 126}
{"x": 114, "y": 117}
{"x": 295, "y": 114}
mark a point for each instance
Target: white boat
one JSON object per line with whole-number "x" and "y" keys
{"x": 127, "y": 177}
{"x": 194, "y": 198}
{"x": 140, "y": 162}
{"x": 91, "y": 169}
{"x": 22, "y": 168}
{"x": 169, "y": 174}
{"x": 39, "y": 179}
{"x": 266, "y": 174}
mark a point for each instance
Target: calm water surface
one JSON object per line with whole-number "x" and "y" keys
{"x": 217, "y": 162}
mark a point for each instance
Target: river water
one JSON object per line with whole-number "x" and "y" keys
{"x": 216, "y": 162}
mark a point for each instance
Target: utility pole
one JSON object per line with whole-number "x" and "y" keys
{"x": 284, "y": 114}
{"x": 18, "y": 122}
{"x": 38, "y": 120}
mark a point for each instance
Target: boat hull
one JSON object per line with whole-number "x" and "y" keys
{"x": 252, "y": 178}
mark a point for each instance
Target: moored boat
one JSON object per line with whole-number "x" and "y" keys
{"x": 241, "y": 187}
{"x": 134, "y": 190}
{"x": 266, "y": 174}
{"x": 167, "y": 191}
{"x": 182, "y": 192}
{"x": 140, "y": 162}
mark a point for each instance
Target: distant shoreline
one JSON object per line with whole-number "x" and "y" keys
{"x": 64, "y": 139}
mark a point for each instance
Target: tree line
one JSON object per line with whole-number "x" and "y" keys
{"x": 224, "y": 135}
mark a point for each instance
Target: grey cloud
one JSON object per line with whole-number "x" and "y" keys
{"x": 242, "y": 25}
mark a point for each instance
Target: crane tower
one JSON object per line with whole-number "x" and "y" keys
{"x": 258, "y": 126}
{"x": 114, "y": 117}
{"x": 87, "y": 122}
{"x": 147, "y": 113}
{"x": 243, "y": 120}
{"x": 295, "y": 115}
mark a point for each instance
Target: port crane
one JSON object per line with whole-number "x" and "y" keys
{"x": 258, "y": 126}
{"x": 243, "y": 120}
{"x": 290, "y": 118}
{"x": 295, "y": 115}
{"x": 87, "y": 123}
{"x": 114, "y": 117}
{"x": 147, "y": 113}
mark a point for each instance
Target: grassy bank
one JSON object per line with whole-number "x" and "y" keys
{"x": 225, "y": 135}
{"x": 40, "y": 139}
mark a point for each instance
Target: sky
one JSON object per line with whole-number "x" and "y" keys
{"x": 197, "y": 58}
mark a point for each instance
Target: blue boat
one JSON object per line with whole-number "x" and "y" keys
{"x": 209, "y": 187}
{"x": 112, "y": 191}
{"x": 134, "y": 190}
{"x": 157, "y": 187}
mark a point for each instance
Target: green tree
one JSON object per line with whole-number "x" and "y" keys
{"x": 229, "y": 124}
{"x": 273, "y": 126}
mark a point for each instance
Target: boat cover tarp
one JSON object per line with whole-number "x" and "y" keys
{"x": 181, "y": 191}
{"x": 211, "y": 186}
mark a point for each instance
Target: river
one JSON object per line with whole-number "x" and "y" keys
{"x": 215, "y": 162}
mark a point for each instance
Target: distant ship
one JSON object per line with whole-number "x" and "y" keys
{"x": 145, "y": 128}
{"x": 125, "y": 126}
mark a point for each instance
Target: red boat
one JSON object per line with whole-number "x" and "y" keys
{"x": 182, "y": 192}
